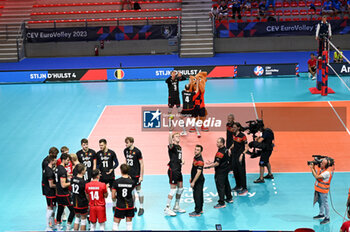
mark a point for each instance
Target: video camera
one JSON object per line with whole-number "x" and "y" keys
{"x": 254, "y": 126}
{"x": 319, "y": 158}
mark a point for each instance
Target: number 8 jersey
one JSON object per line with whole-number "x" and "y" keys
{"x": 123, "y": 187}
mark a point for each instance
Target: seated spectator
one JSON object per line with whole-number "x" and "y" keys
{"x": 236, "y": 8}
{"x": 312, "y": 66}
{"x": 137, "y": 5}
{"x": 261, "y": 9}
{"x": 223, "y": 10}
{"x": 270, "y": 3}
{"x": 327, "y": 7}
{"x": 214, "y": 12}
{"x": 338, "y": 57}
{"x": 336, "y": 5}
{"x": 128, "y": 2}
{"x": 312, "y": 7}
{"x": 346, "y": 225}
{"x": 246, "y": 5}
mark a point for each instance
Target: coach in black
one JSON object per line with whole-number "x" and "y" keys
{"x": 222, "y": 168}
{"x": 197, "y": 181}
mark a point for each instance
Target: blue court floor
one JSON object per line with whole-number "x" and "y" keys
{"x": 35, "y": 117}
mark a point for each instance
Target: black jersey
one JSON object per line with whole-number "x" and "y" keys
{"x": 229, "y": 134}
{"x": 124, "y": 188}
{"x": 173, "y": 85}
{"x": 87, "y": 158}
{"x": 197, "y": 164}
{"x": 48, "y": 175}
{"x": 175, "y": 155}
{"x": 44, "y": 164}
{"x": 105, "y": 161}
{"x": 133, "y": 158}
{"x": 78, "y": 193}
{"x": 239, "y": 140}
{"x": 187, "y": 100}
{"x": 61, "y": 172}
{"x": 222, "y": 158}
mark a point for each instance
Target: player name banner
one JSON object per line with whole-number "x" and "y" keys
{"x": 101, "y": 33}
{"x": 226, "y": 29}
{"x": 153, "y": 73}
{"x": 343, "y": 69}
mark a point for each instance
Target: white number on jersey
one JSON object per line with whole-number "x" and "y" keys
{"x": 75, "y": 188}
{"x": 130, "y": 162}
{"x": 56, "y": 177}
{"x": 187, "y": 99}
{"x": 87, "y": 164}
{"x": 124, "y": 192}
{"x": 94, "y": 195}
{"x": 105, "y": 163}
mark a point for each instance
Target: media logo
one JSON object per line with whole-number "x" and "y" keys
{"x": 258, "y": 71}
{"x": 151, "y": 119}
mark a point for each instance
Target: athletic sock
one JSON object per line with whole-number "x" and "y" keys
{"x": 141, "y": 205}
{"x": 93, "y": 226}
{"x": 168, "y": 202}
{"x": 102, "y": 226}
{"x": 115, "y": 226}
{"x": 48, "y": 217}
{"x": 128, "y": 225}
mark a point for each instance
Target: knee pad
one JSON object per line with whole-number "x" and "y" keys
{"x": 83, "y": 222}
{"x": 139, "y": 193}
{"x": 172, "y": 192}
{"x": 179, "y": 191}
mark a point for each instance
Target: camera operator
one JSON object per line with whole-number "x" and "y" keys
{"x": 265, "y": 142}
{"x": 323, "y": 32}
{"x": 323, "y": 177}
{"x": 237, "y": 150}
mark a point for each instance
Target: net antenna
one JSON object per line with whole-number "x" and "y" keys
{"x": 344, "y": 57}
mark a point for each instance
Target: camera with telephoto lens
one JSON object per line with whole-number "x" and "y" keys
{"x": 318, "y": 160}
{"x": 254, "y": 126}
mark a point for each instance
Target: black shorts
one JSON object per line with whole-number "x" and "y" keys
{"x": 313, "y": 69}
{"x": 129, "y": 213}
{"x": 265, "y": 158}
{"x": 174, "y": 176}
{"x": 82, "y": 211}
{"x": 136, "y": 180}
{"x": 187, "y": 113}
{"x": 198, "y": 112}
{"x": 51, "y": 201}
{"x": 64, "y": 200}
{"x": 107, "y": 181}
{"x": 174, "y": 101}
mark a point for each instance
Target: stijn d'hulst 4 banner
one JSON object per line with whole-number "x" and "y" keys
{"x": 225, "y": 29}
{"x": 101, "y": 33}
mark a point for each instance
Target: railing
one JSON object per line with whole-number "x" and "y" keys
{"x": 179, "y": 36}
{"x": 20, "y": 41}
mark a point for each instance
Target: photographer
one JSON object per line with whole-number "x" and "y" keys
{"x": 265, "y": 143}
{"x": 323, "y": 177}
{"x": 237, "y": 150}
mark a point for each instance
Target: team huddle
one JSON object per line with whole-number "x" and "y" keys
{"x": 80, "y": 182}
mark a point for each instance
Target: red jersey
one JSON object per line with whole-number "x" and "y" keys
{"x": 96, "y": 191}
{"x": 68, "y": 167}
{"x": 346, "y": 226}
{"x": 312, "y": 63}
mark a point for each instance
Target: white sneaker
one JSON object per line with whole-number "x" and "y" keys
{"x": 313, "y": 78}
{"x": 169, "y": 212}
{"x": 179, "y": 210}
{"x": 183, "y": 133}
{"x": 59, "y": 226}
{"x": 48, "y": 229}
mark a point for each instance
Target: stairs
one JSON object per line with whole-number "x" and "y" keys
{"x": 196, "y": 29}
{"x": 12, "y": 16}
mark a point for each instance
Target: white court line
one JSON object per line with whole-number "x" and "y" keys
{"x": 256, "y": 113}
{"x": 347, "y": 130}
{"x": 97, "y": 121}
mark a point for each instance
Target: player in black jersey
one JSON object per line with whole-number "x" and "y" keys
{"x": 197, "y": 181}
{"x": 122, "y": 192}
{"x": 134, "y": 160}
{"x": 52, "y": 153}
{"x": 175, "y": 175}
{"x": 187, "y": 105}
{"x": 229, "y": 133}
{"x": 105, "y": 159}
{"x": 222, "y": 168}
{"x": 80, "y": 202}
{"x": 50, "y": 191}
{"x": 173, "y": 90}
{"x": 87, "y": 157}
{"x": 62, "y": 195}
